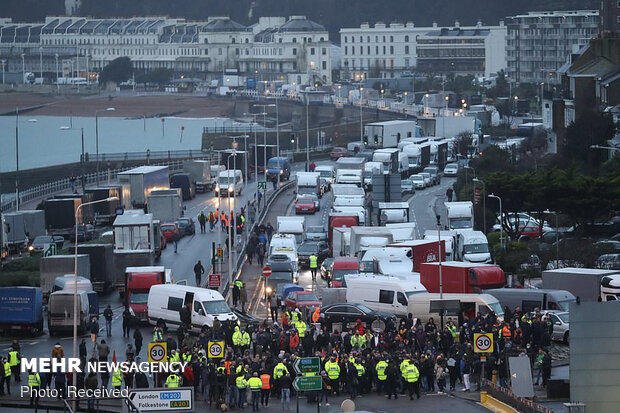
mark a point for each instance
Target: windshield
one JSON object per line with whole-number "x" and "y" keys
{"x": 281, "y": 276}
{"x": 274, "y": 164}
{"x": 224, "y": 180}
{"x": 315, "y": 229}
{"x": 138, "y": 298}
{"x": 563, "y": 305}
{"x": 416, "y": 178}
{"x": 305, "y": 201}
{"x": 307, "y": 247}
{"x": 476, "y": 249}
{"x": 306, "y": 189}
{"x": 497, "y": 309}
{"x": 460, "y": 223}
{"x": 325, "y": 174}
{"x": 563, "y": 317}
{"x": 167, "y": 227}
{"x": 338, "y": 275}
{"x": 307, "y": 297}
{"x": 216, "y": 307}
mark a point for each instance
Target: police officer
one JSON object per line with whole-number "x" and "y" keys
{"x": 411, "y": 376}
{"x": 333, "y": 372}
{"x": 158, "y": 335}
{"x": 313, "y": 265}
{"x": 34, "y": 382}
{"x": 237, "y": 339}
{"x": 14, "y": 363}
{"x": 242, "y": 384}
{"x": 117, "y": 379}
{"x": 255, "y": 384}
{"x": 173, "y": 380}
{"x": 381, "y": 375}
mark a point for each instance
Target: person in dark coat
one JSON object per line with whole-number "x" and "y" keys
{"x": 546, "y": 368}
{"x": 393, "y": 378}
{"x": 137, "y": 339}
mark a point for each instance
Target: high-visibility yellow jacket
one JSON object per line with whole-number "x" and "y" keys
{"x": 313, "y": 261}
{"x": 279, "y": 370}
{"x": 7, "y": 369}
{"x": 173, "y": 381}
{"x": 411, "y": 374}
{"x": 380, "y": 367}
{"x": 255, "y": 383}
{"x": 117, "y": 378}
{"x": 333, "y": 370}
{"x": 241, "y": 382}
{"x": 34, "y": 380}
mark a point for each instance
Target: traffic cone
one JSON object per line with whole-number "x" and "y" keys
{"x": 114, "y": 356}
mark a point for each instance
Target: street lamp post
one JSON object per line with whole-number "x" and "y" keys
{"x": 557, "y": 237}
{"x": 75, "y": 269}
{"x": 608, "y": 148}
{"x": 307, "y": 133}
{"x": 466, "y": 167}
{"x": 41, "y": 63}
{"x": 484, "y": 204}
{"x": 361, "y": 118}
{"x": 440, "y": 269}
{"x": 57, "y": 85}
{"x": 17, "y": 156}
{"x": 3, "y": 63}
{"x": 265, "y": 136}
{"x": 97, "y": 136}
{"x": 501, "y": 220}
{"x": 83, "y": 159}
{"x": 23, "y": 68}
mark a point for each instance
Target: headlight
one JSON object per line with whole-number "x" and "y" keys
{"x": 217, "y": 188}
{"x": 230, "y": 189}
{"x": 31, "y": 248}
{"x": 281, "y": 171}
{"x": 269, "y": 290}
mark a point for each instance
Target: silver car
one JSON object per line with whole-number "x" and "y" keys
{"x": 418, "y": 181}
{"x": 560, "y": 322}
{"x": 427, "y": 178}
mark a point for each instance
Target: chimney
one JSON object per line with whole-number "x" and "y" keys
{"x": 457, "y": 24}
{"x": 434, "y": 25}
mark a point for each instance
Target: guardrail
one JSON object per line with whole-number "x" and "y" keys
{"x": 147, "y": 155}
{"x": 105, "y": 177}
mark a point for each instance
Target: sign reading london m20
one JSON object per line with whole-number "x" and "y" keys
{"x": 158, "y": 400}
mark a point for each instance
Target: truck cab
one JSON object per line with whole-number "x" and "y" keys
{"x": 139, "y": 281}
{"x": 229, "y": 181}
{"x": 460, "y": 215}
{"x": 473, "y": 246}
{"x": 278, "y": 166}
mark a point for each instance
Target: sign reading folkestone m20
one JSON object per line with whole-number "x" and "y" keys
{"x": 156, "y": 400}
{"x": 308, "y": 383}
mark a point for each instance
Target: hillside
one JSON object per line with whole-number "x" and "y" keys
{"x": 333, "y": 14}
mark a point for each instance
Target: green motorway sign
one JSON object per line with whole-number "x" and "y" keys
{"x": 308, "y": 383}
{"x": 307, "y": 365}
{"x": 262, "y": 184}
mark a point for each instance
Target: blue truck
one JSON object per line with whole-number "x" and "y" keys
{"x": 21, "y": 309}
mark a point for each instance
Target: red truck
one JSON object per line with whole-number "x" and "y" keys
{"x": 339, "y": 220}
{"x": 138, "y": 282}
{"x": 461, "y": 277}
{"x": 422, "y": 251}
{"x": 342, "y": 266}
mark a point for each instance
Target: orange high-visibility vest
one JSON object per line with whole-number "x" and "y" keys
{"x": 227, "y": 365}
{"x": 316, "y": 315}
{"x": 265, "y": 378}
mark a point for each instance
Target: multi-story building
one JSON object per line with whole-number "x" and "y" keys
{"x": 610, "y": 17}
{"x": 293, "y": 50}
{"x": 538, "y": 43}
{"x": 395, "y": 50}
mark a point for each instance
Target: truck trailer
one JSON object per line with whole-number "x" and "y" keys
{"x": 461, "y": 277}
{"x": 388, "y": 134}
{"x": 584, "y": 283}
{"x": 60, "y": 215}
{"x": 200, "y": 171}
{"x": 21, "y": 309}
{"x": 138, "y": 183}
{"x": 105, "y": 212}
{"x": 101, "y": 259}
{"x": 165, "y": 208}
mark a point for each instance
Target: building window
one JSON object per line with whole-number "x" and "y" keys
{"x": 345, "y": 49}
{"x": 294, "y": 51}
{"x": 324, "y": 51}
{"x": 324, "y": 65}
{"x": 233, "y": 40}
{"x": 391, "y": 39}
{"x": 391, "y": 49}
{"x": 406, "y": 49}
{"x": 345, "y": 39}
{"x": 248, "y": 40}
{"x": 406, "y": 38}
{"x": 361, "y": 50}
{"x": 376, "y": 49}
{"x": 219, "y": 51}
{"x": 294, "y": 40}
{"x": 368, "y": 39}
{"x": 618, "y": 5}
{"x": 312, "y": 50}
{"x": 361, "y": 39}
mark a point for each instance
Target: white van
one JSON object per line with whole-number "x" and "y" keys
{"x": 67, "y": 283}
{"x": 328, "y": 174}
{"x": 285, "y": 244}
{"x": 459, "y": 307}
{"x": 292, "y": 225}
{"x": 360, "y": 211}
{"x": 165, "y": 301}
{"x": 383, "y": 293}
{"x": 229, "y": 181}
{"x": 60, "y": 311}
{"x": 472, "y": 246}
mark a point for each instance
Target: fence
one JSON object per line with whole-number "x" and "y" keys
{"x": 522, "y": 404}
{"x": 108, "y": 176}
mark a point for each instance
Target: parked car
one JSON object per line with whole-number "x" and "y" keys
{"x": 418, "y": 181}
{"x": 85, "y": 232}
{"x": 307, "y": 248}
{"x": 435, "y": 174}
{"x": 350, "y": 312}
{"x": 186, "y": 226}
{"x": 298, "y": 299}
{"x": 170, "y": 230}
{"x": 549, "y": 237}
{"x": 305, "y": 206}
{"x": 451, "y": 169}
{"x": 529, "y": 232}
{"x": 338, "y": 152}
{"x": 326, "y": 268}
{"x": 560, "y": 321}
{"x": 608, "y": 245}
{"x": 39, "y": 243}
{"x": 608, "y": 262}
{"x": 316, "y": 233}
{"x": 407, "y": 187}
{"x": 427, "y": 178}
{"x": 314, "y": 197}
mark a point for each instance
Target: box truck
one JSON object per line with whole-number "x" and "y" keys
{"x": 105, "y": 212}
{"x": 138, "y": 283}
{"x": 200, "y": 172}
{"x": 461, "y": 277}
{"x": 165, "y": 208}
{"x": 388, "y": 134}
{"x": 185, "y": 183}
{"x": 309, "y": 183}
{"x": 15, "y": 231}
{"x": 460, "y": 215}
{"x": 101, "y": 259}
{"x": 60, "y": 215}
{"x": 138, "y": 183}
{"x": 21, "y": 309}
{"x": 422, "y": 251}
{"x": 584, "y": 283}
{"x": 339, "y": 220}
{"x": 59, "y": 265}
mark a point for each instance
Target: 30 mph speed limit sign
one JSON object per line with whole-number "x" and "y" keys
{"x": 157, "y": 352}
{"x": 216, "y": 349}
{"x": 483, "y": 343}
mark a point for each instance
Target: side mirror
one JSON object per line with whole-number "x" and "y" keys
{"x": 557, "y": 323}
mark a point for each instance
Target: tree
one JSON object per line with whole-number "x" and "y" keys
{"x": 118, "y": 70}
{"x": 159, "y": 76}
{"x": 592, "y": 128}
{"x": 463, "y": 142}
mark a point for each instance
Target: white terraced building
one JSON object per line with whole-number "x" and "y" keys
{"x": 399, "y": 50}
{"x": 290, "y": 50}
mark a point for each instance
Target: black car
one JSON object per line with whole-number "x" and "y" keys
{"x": 326, "y": 268}
{"x": 349, "y": 313}
{"x": 307, "y": 248}
{"x": 186, "y": 226}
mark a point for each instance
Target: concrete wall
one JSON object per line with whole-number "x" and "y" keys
{"x": 595, "y": 355}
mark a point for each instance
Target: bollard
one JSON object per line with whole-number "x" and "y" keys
{"x": 483, "y": 397}
{"x": 494, "y": 376}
